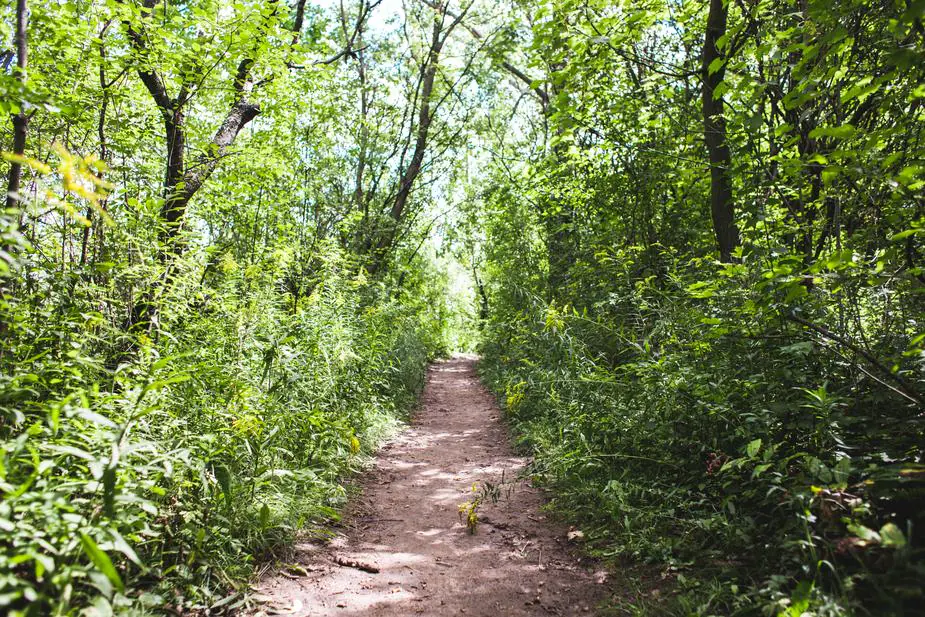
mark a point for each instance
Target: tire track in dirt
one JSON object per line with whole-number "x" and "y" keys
{"x": 407, "y": 526}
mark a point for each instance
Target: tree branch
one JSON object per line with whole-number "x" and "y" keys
{"x": 507, "y": 66}
{"x": 904, "y": 385}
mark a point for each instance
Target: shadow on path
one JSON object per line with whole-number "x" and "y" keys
{"x": 407, "y": 525}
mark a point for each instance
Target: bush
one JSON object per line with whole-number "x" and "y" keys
{"x": 687, "y": 424}
{"x": 160, "y": 476}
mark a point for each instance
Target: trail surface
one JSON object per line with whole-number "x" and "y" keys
{"x": 407, "y": 526}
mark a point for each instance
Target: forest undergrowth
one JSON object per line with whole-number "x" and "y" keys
{"x": 704, "y": 299}
{"x": 158, "y": 479}
{"x": 706, "y": 435}
{"x": 689, "y": 234}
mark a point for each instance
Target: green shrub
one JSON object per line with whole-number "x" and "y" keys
{"x": 688, "y": 425}
{"x": 161, "y": 476}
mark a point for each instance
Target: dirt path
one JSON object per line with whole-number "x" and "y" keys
{"x": 407, "y": 525}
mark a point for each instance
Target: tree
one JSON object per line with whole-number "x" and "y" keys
{"x": 713, "y": 71}
{"x": 183, "y": 180}
{"x": 424, "y": 105}
{"x": 21, "y": 118}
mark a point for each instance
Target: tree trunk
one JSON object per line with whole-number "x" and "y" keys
{"x": 412, "y": 171}
{"x": 722, "y": 208}
{"x": 20, "y": 120}
{"x": 561, "y": 240}
{"x": 180, "y": 182}
{"x": 559, "y": 215}
{"x": 174, "y": 188}
{"x": 104, "y": 150}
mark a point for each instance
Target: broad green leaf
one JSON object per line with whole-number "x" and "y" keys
{"x": 891, "y": 536}
{"x": 845, "y": 131}
{"x": 101, "y": 560}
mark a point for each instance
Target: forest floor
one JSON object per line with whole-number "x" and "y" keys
{"x": 402, "y": 548}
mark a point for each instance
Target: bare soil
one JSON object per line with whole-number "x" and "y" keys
{"x": 403, "y": 547}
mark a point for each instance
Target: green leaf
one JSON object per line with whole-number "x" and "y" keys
{"x": 101, "y": 560}
{"x": 861, "y": 90}
{"x": 905, "y": 234}
{"x": 844, "y": 131}
{"x": 817, "y": 158}
{"x": 753, "y": 447}
{"x": 800, "y": 599}
{"x": 72, "y": 451}
{"x": 223, "y": 477}
{"x": 43, "y": 564}
{"x": 865, "y": 533}
{"x": 160, "y": 383}
{"x": 99, "y": 608}
{"x": 119, "y": 544}
{"x": 892, "y": 536}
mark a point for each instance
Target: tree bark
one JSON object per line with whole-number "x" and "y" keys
{"x": 722, "y": 208}
{"x": 424, "y": 120}
{"x": 104, "y": 149}
{"x": 558, "y": 214}
{"x": 20, "y": 120}
{"x": 182, "y": 182}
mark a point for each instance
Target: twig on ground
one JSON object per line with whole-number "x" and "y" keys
{"x": 359, "y": 565}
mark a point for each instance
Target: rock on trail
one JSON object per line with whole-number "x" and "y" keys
{"x": 404, "y": 549}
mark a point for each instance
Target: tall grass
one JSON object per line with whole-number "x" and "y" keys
{"x": 686, "y": 425}
{"x": 158, "y": 478}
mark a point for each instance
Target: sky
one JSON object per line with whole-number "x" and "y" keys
{"x": 381, "y": 14}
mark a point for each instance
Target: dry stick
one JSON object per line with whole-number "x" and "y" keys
{"x": 907, "y": 390}
{"x": 885, "y": 384}
{"x": 359, "y": 565}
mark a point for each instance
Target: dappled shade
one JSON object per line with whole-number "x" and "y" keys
{"x": 407, "y": 523}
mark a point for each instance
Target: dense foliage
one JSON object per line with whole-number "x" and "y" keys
{"x": 195, "y": 355}
{"x": 235, "y": 234}
{"x": 750, "y": 426}
{"x": 205, "y": 450}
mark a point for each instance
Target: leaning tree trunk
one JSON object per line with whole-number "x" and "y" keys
{"x": 722, "y": 208}
{"x": 386, "y": 236}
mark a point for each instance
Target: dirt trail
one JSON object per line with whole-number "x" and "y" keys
{"x": 407, "y": 525}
